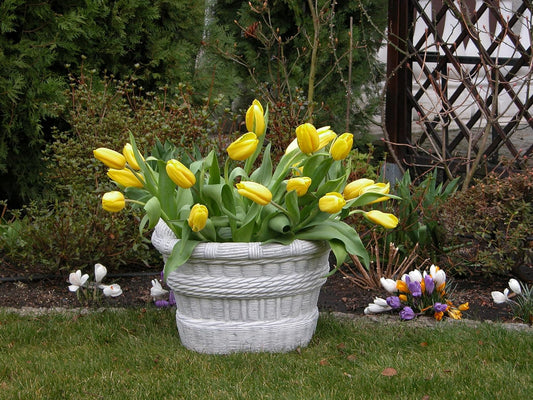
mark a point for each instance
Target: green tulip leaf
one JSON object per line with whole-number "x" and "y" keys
{"x": 263, "y": 174}
{"x": 153, "y": 211}
{"x": 167, "y": 191}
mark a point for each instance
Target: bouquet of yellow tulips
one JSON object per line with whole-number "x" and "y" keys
{"x": 306, "y": 196}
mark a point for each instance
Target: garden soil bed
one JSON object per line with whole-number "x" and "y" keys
{"x": 339, "y": 294}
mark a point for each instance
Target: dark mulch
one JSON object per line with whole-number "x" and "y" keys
{"x": 338, "y": 294}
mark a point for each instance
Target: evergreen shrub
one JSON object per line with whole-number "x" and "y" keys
{"x": 40, "y": 41}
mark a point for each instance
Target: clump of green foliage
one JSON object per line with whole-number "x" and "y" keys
{"x": 66, "y": 228}
{"x": 489, "y": 225}
{"x": 40, "y": 41}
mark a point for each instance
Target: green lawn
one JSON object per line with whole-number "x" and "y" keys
{"x": 136, "y": 354}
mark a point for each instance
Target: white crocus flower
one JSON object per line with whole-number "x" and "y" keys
{"x": 99, "y": 272}
{"x": 514, "y": 285}
{"x": 157, "y": 291}
{"x": 389, "y": 285}
{"x": 77, "y": 280}
{"x": 439, "y": 277}
{"x": 500, "y": 297}
{"x": 378, "y": 306}
{"x": 415, "y": 276}
{"x": 113, "y": 290}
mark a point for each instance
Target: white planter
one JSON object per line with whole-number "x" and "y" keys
{"x": 246, "y": 297}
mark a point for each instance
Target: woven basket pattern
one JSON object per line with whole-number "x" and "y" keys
{"x": 234, "y": 297}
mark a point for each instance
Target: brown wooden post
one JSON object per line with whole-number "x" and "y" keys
{"x": 399, "y": 83}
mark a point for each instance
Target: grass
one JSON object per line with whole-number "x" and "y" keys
{"x": 136, "y": 354}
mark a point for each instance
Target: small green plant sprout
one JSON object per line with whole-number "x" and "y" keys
{"x": 522, "y": 305}
{"x": 418, "y": 293}
{"x": 92, "y": 291}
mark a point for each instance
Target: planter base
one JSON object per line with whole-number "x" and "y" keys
{"x": 246, "y": 297}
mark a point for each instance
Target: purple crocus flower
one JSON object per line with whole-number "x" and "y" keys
{"x": 162, "y": 303}
{"x": 415, "y": 288}
{"x": 439, "y": 307}
{"x": 429, "y": 283}
{"x": 171, "y": 299}
{"x": 407, "y": 313}
{"x": 394, "y": 302}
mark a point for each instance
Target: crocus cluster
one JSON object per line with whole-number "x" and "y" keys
{"x": 520, "y": 297}
{"x": 306, "y": 196}
{"x": 417, "y": 293}
{"x": 162, "y": 297}
{"x": 91, "y": 290}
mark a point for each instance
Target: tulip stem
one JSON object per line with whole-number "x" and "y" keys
{"x": 284, "y": 211}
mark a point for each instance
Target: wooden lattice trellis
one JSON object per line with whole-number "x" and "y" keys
{"x": 460, "y": 72}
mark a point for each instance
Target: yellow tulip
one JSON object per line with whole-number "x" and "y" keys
{"x": 331, "y": 202}
{"x": 379, "y": 187}
{"x": 113, "y": 201}
{"x": 325, "y": 136}
{"x": 111, "y": 158}
{"x": 341, "y": 147}
{"x": 255, "y": 192}
{"x": 296, "y": 169}
{"x": 307, "y": 137}
{"x": 243, "y": 147}
{"x": 355, "y": 189}
{"x": 180, "y": 174}
{"x": 255, "y": 118}
{"x": 127, "y": 151}
{"x": 386, "y": 220}
{"x": 124, "y": 177}
{"x": 300, "y": 185}
{"x": 198, "y": 217}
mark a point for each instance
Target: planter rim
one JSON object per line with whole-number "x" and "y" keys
{"x": 164, "y": 240}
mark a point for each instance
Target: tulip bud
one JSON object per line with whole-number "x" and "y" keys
{"x": 331, "y": 202}
{"x": 307, "y": 137}
{"x": 180, "y": 174}
{"x": 379, "y": 187}
{"x": 124, "y": 177}
{"x": 111, "y": 158}
{"x": 255, "y": 118}
{"x": 243, "y": 147}
{"x": 355, "y": 189}
{"x": 386, "y": 220}
{"x": 325, "y": 136}
{"x": 341, "y": 147}
{"x": 198, "y": 217}
{"x": 255, "y": 192}
{"x": 130, "y": 156}
{"x": 299, "y": 184}
{"x": 113, "y": 201}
